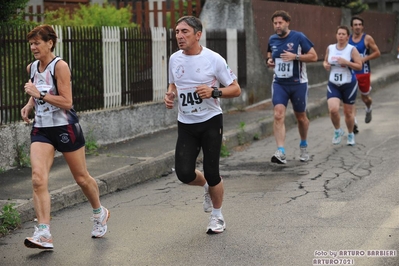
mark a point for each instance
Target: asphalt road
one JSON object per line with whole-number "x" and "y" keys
{"x": 344, "y": 200}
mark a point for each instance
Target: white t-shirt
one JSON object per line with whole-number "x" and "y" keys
{"x": 187, "y": 72}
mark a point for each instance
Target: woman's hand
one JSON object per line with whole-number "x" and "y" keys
{"x": 31, "y": 89}
{"x": 25, "y": 111}
{"x": 326, "y": 65}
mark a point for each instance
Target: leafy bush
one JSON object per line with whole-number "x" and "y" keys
{"x": 91, "y": 15}
{"x": 12, "y": 12}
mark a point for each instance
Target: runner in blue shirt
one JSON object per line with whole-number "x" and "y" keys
{"x": 368, "y": 50}
{"x": 288, "y": 53}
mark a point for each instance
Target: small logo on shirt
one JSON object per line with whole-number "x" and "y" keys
{"x": 290, "y": 46}
{"x": 179, "y": 71}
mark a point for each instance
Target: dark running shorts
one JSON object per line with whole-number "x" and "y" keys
{"x": 296, "y": 93}
{"x": 346, "y": 92}
{"x": 64, "y": 138}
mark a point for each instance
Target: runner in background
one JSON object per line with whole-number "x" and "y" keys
{"x": 368, "y": 50}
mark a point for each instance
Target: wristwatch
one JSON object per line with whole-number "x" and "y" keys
{"x": 216, "y": 93}
{"x": 42, "y": 94}
{"x": 297, "y": 57}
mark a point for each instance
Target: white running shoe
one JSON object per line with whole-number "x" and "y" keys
{"x": 304, "y": 157}
{"x": 41, "y": 239}
{"x": 216, "y": 225}
{"x": 207, "y": 204}
{"x": 279, "y": 157}
{"x": 351, "y": 139}
{"x": 100, "y": 224}
{"x": 337, "y": 136}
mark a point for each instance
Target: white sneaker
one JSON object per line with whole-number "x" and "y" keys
{"x": 304, "y": 157}
{"x": 279, "y": 157}
{"x": 207, "y": 204}
{"x": 337, "y": 136}
{"x": 216, "y": 225}
{"x": 100, "y": 224}
{"x": 351, "y": 139}
{"x": 41, "y": 239}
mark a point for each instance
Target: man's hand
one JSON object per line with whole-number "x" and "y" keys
{"x": 270, "y": 63}
{"x": 287, "y": 56}
{"x": 169, "y": 99}
{"x": 204, "y": 92}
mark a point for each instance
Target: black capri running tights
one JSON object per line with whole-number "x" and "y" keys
{"x": 191, "y": 138}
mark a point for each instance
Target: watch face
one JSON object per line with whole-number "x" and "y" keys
{"x": 216, "y": 93}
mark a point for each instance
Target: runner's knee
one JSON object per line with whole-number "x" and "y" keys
{"x": 214, "y": 181}
{"x": 185, "y": 174}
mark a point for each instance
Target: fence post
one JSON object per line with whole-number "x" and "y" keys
{"x": 232, "y": 54}
{"x": 59, "y": 50}
{"x": 159, "y": 63}
{"x": 112, "y": 67}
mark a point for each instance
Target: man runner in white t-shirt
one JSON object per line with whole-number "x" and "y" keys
{"x": 195, "y": 75}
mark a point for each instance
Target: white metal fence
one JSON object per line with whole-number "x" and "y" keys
{"x": 112, "y": 75}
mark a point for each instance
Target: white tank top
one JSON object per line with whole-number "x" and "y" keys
{"x": 339, "y": 74}
{"x": 47, "y": 115}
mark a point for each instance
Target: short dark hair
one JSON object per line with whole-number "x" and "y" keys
{"x": 283, "y": 14}
{"x": 192, "y": 21}
{"x": 343, "y": 27}
{"x": 44, "y": 32}
{"x": 358, "y": 18}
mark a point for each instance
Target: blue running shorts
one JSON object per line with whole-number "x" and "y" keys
{"x": 346, "y": 92}
{"x": 296, "y": 93}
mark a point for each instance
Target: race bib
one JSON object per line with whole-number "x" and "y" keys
{"x": 44, "y": 108}
{"x": 283, "y": 69}
{"x": 190, "y": 102}
{"x": 340, "y": 76}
